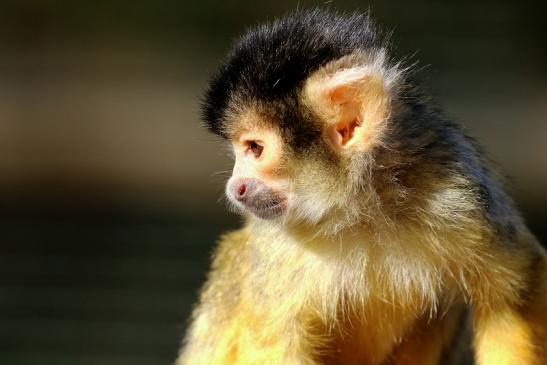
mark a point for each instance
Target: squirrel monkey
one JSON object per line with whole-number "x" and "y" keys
{"x": 375, "y": 233}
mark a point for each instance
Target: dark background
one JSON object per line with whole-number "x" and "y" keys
{"x": 109, "y": 196}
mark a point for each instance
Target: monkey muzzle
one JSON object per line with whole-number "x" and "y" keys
{"x": 254, "y": 196}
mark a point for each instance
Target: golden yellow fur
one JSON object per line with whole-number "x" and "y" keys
{"x": 372, "y": 264}
{"x": 363, "y": 301}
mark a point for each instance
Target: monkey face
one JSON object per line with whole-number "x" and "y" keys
{"x": 303, "y": 158}
{"x": 256, "y": 185}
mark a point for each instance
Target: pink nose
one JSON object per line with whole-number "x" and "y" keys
{"x": 241, "y": 190}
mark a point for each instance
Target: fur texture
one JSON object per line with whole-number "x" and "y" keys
{"x": 388, "y": 243}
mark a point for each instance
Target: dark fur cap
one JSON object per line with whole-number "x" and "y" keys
{"x": 273, "y": 60}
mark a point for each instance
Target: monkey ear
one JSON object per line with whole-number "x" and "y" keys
{"x": 353, "y": 103}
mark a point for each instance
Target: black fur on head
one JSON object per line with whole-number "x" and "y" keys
{"x": 271, "y": 62}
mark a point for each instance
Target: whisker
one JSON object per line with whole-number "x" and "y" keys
{"x": 227, "y": 172}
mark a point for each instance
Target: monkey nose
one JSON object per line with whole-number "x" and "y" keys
{"x": 241, "y": 191}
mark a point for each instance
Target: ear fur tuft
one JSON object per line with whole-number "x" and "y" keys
{"x": 352, "y": 96}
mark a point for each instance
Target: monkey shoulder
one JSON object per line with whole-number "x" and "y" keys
{"x": 230, "y": 247}
{"x": 227, "y": 269}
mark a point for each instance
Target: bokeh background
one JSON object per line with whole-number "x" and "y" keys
{"x": 109, "y": 192}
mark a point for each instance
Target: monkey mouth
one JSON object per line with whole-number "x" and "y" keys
{"x": 269, "y": 210}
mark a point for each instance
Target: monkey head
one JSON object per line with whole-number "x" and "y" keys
{"x": 321, "y": 121}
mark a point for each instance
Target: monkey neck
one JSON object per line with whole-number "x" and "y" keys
{"x": 352, "y": 269}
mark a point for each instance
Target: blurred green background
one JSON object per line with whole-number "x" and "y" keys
{"x": 110, "y": 200}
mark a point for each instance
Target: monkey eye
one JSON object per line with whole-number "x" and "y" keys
{"x": 255, "y": 148}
